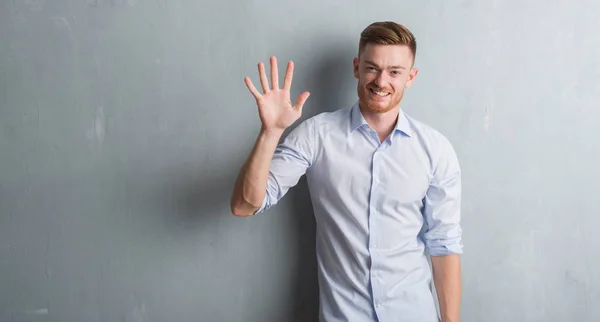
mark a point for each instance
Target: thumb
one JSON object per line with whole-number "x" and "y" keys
{"x": 301, "y": 100}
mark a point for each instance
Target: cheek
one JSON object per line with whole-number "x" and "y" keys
{"x": 361, "y": 82}
{"x": 400, "y": 83}
{"x": 366, "y": 79}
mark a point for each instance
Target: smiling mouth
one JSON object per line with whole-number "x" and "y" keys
{"x": 380, "y": 94}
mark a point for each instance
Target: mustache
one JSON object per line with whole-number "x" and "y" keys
{"x": 379, "y": 89}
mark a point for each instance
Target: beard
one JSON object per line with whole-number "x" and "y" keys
{"x": 374, "y": 104}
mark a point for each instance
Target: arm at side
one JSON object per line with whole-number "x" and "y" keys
{"x": 447, "y": 280}
{"x": 442, "y": 212}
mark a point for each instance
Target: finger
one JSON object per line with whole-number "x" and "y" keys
{"x": 274, "y": 73}
{"x": 252, "y": 89}
{"x": 263, "y": 77}
{"x": 289, "y": 74}
{"x": 301, "y": 100}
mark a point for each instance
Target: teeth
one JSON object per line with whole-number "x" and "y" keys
{"x": 381, "y": 93}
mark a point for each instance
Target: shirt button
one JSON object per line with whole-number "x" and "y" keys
{"x": 375, "y": 246}
{"x": 379, "y": 305}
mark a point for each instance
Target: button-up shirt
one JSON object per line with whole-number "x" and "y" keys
{"x": 379, "y": 207}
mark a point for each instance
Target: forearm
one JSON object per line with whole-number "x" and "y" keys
{"x": 447, "y": 280}
{"x": 250, "y": 186}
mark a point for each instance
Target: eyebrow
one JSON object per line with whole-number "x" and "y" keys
{"x": 389, "y": 67}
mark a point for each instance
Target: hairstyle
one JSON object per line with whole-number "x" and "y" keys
{"x": 387, "y": 33}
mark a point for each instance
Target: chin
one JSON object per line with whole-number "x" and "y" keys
{"x": 377, "y": 107}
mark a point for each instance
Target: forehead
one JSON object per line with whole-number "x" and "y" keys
{"x": 387, "y": 55}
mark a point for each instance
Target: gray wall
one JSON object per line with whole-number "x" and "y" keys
{"x": 123, "y": 124}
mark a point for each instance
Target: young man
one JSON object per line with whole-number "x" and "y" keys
{"x": 376, "y": 178}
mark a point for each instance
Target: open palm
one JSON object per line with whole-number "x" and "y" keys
{"x": 274, "y": 104}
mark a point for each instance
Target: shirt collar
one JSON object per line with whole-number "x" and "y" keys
{"x": 357, "y": 120}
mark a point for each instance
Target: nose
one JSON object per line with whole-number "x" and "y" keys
{"x": 381, "y": 80}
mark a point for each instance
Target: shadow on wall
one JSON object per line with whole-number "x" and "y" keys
{"x": 191, "y": 201}
{"x": 329, "y": 79}
{"x": 182, "y": 199}
{"x": 306, "y": 289}
{"x": 198, "y": 199}
{"x": 329, "y": 84}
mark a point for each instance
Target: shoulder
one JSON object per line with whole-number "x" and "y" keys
{"x": 324, "y": 122}
{"x": 310, "y": 127}
{"x": 425, "y": 131}
{"x": 437, "y": 145}
{"x": 337, "y": 117}
{"x": 428, "y": 135}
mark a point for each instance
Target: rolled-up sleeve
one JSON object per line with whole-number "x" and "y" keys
{"x": 442, "y": 205}
{"x": 293, "y": 156}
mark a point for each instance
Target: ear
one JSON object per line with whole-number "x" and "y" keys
{"x": 411, "y": 77}
{"x": 355, "y": 62}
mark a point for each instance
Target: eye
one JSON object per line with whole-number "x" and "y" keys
{"x": 371, "y": 68}
{"x": 396, "y": 72}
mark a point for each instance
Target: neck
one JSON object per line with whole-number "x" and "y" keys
{"x": 382, "y": 123}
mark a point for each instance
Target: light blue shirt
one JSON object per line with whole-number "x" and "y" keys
{"x": 379, "y": 207}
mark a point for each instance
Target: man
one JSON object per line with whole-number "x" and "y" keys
{"x": 376, "y": 178}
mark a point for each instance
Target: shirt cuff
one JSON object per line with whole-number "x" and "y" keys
{"x": 445, "y": 247}
{"x": 263, "y": 206}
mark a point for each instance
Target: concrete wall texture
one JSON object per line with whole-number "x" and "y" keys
{"x": 123, "y": 124}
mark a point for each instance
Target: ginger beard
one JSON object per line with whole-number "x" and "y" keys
{"x": 383, "y": 72}
{"x": 370, "y": 98}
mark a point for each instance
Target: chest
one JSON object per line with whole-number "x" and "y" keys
{"x": 399, "y": 173}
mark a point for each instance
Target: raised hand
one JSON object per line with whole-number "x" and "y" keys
{"x": 274, "y": 105}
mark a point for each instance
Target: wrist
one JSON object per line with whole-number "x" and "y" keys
{"x": 271, "y": 133}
